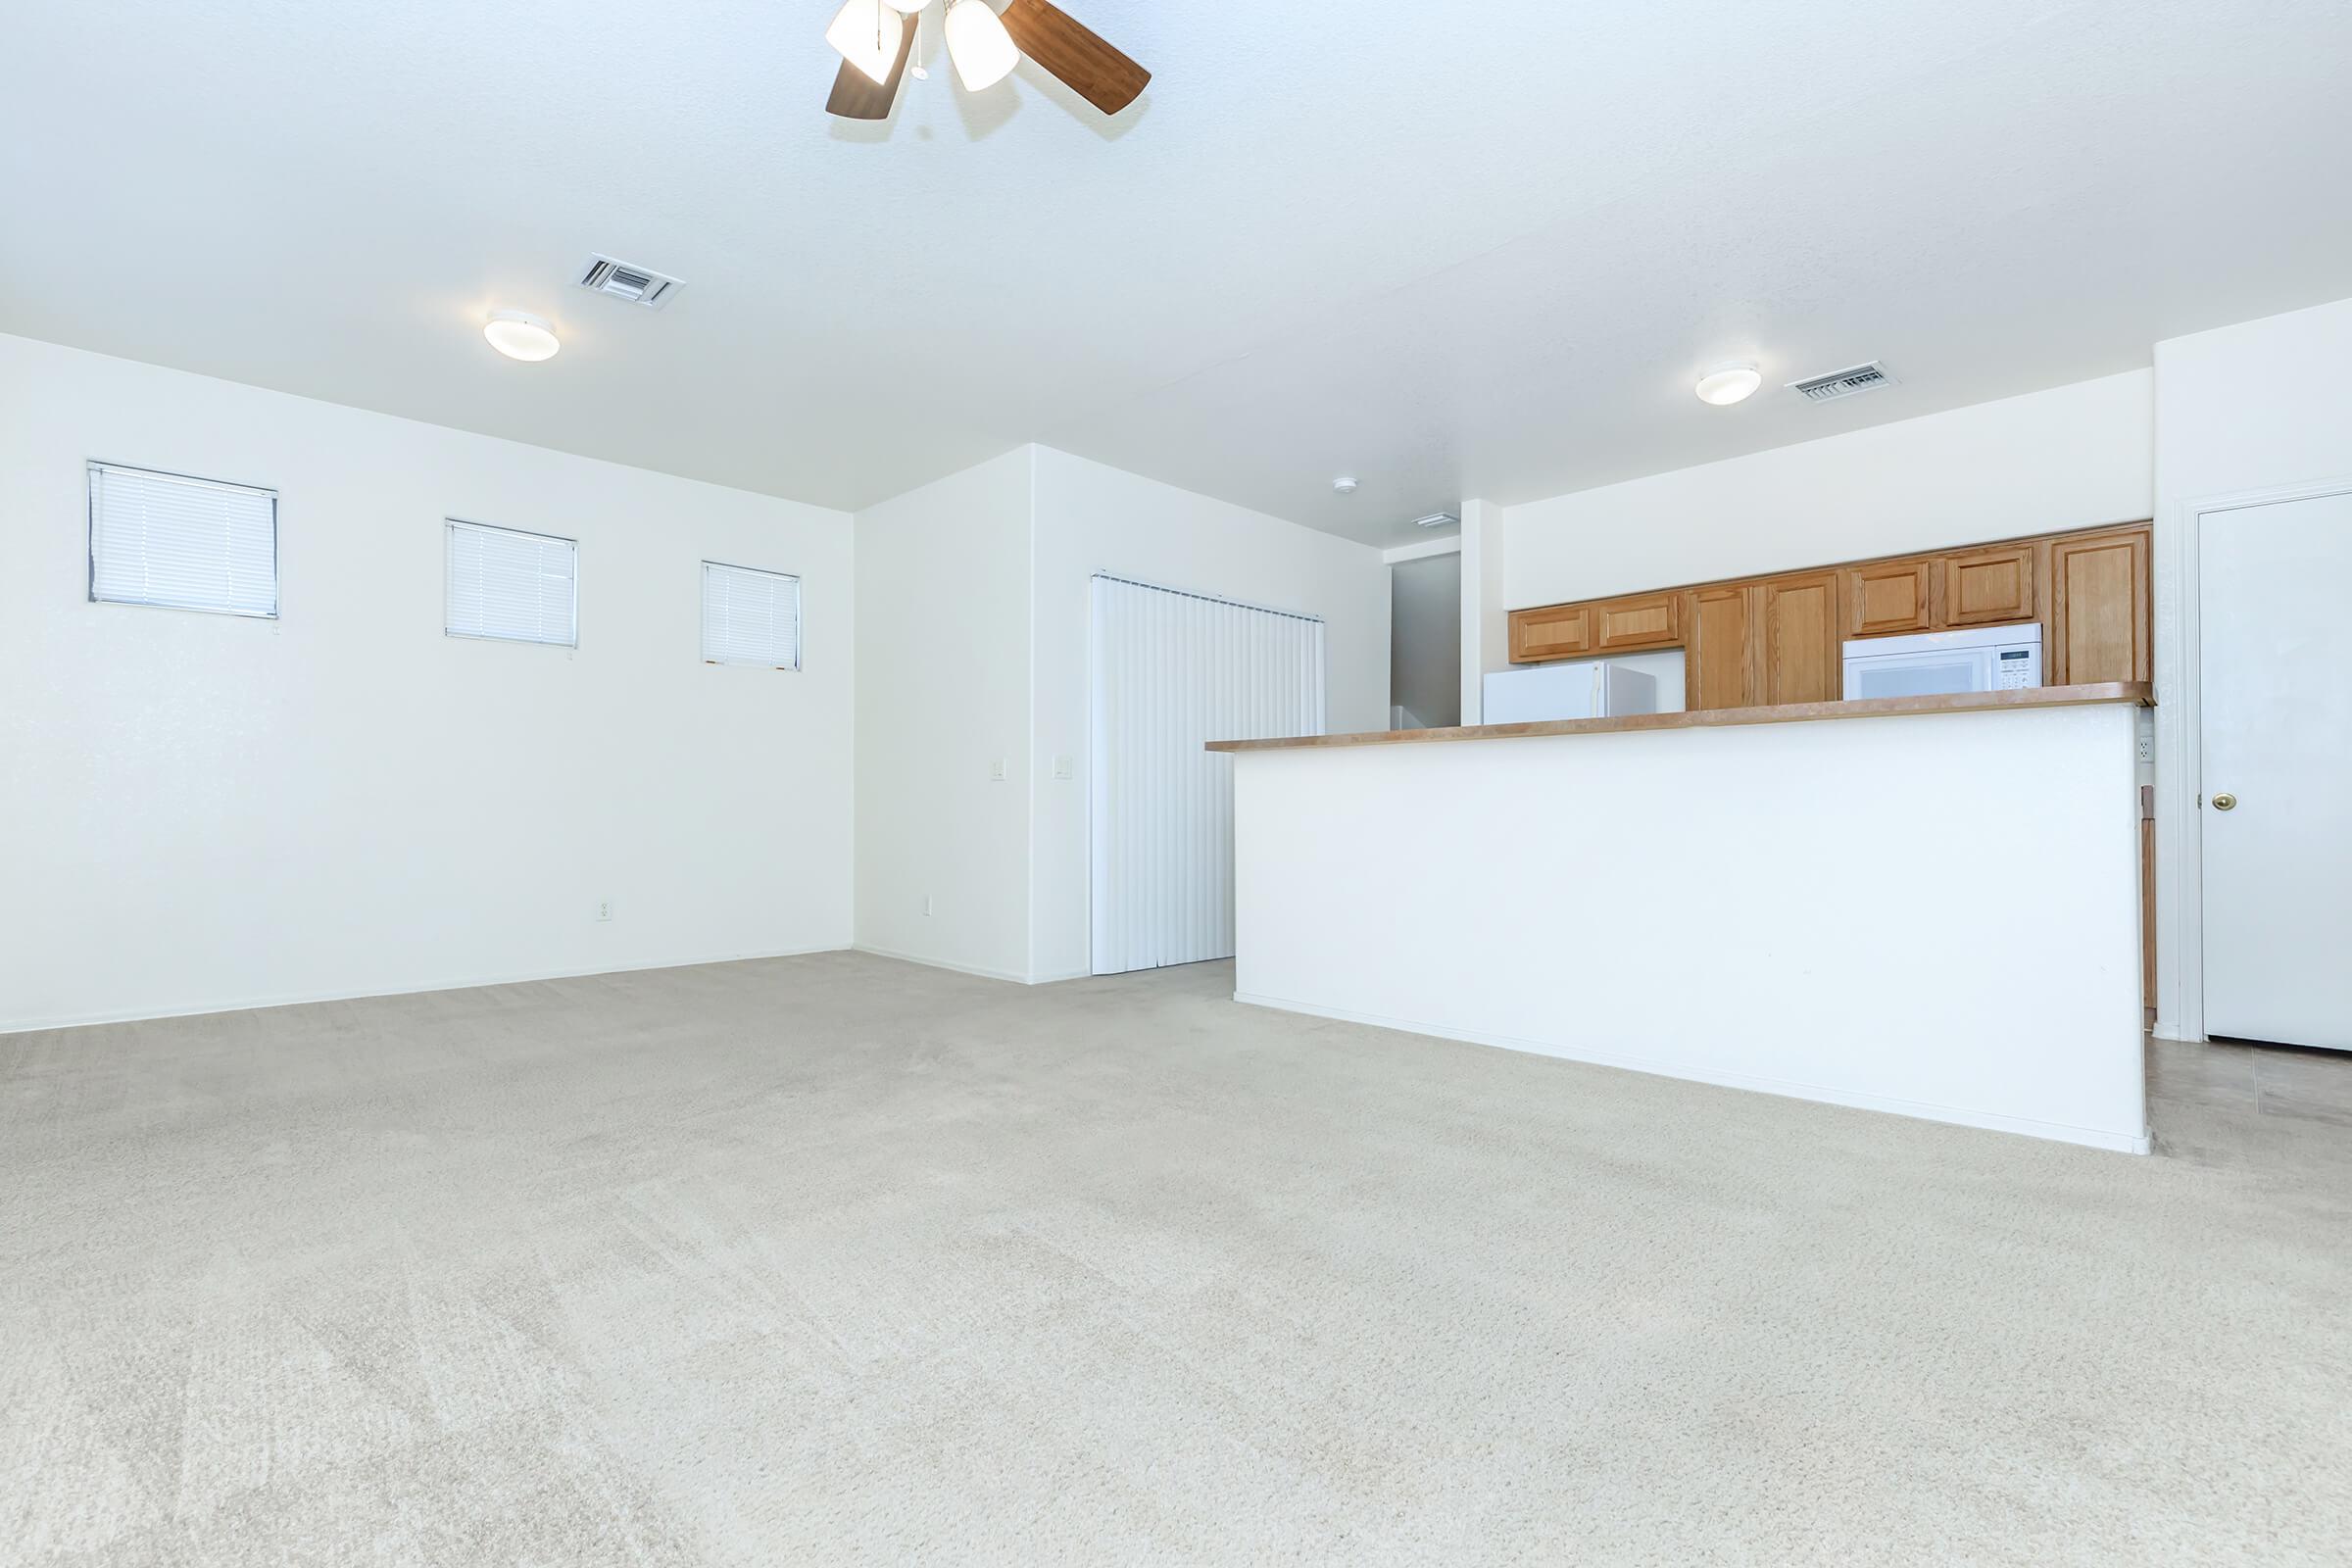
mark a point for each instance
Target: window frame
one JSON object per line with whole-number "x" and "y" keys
{"x": 91, "y": 469}
{"x": 800, "y": 619}
{"x": 449, "y": 527}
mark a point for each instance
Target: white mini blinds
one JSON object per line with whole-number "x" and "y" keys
{"x": 750, "y": 618}
{"x": 513, "y": 586}
{"x": 180, "y": 543}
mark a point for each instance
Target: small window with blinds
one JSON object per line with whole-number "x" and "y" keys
{"x": 510, "y": 586}
{"x": 177, "y": 543}
{"x": 750, "y": 618}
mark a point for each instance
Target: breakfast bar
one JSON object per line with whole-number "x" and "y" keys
{"x": 1921, "y": 905}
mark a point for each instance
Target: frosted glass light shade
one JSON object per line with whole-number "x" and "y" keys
{"x": 1728, "y": 383}
{"x": 983, "y": 51}
{"x": 866, "y": 33}
{"x": 521, "y": 337}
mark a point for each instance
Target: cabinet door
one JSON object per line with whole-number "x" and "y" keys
{"x": 2098, "y": 608}
{"x": 1798, "y": 624}
{"x": 1557, "y": 632}
{"x": 1887, "y": 597}
{"x": 1719, "y": 657}
{"x": 1645, "y": 620}
{"x": 1986, "y": 587}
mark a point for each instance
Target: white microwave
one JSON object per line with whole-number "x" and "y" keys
{"x": 1978, "y": 658}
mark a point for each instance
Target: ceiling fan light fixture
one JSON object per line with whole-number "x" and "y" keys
{"x": 866, "y": 35}
{"x": 983, "y": 51}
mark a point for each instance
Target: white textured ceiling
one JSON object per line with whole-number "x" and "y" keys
{"x": 1454, "y": 249}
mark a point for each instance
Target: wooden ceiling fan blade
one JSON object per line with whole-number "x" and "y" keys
{"x": 859, "y": 96}
{"x": 1093, "y": 68}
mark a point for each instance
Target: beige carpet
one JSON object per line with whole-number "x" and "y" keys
{"x": 837, "y": 1260}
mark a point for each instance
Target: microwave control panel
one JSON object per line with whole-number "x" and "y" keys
{"x": 2014, "y": 670}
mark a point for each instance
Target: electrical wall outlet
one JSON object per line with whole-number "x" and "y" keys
{"x": 996, "y": 771}
{"x": 604, "y": 909}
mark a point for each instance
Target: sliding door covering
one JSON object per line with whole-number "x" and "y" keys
{"x": 1171, "y": 672}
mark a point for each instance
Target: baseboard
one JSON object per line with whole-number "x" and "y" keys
{"x": 297, "y": 999}
{"x": 978, "y": 971}
{"x": 1990, "y": 1121}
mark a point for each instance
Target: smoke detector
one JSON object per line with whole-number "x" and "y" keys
{"x": 1843, "y": 384}
{"x": 639, "y": 285}
{"x": 1437, "y": 519}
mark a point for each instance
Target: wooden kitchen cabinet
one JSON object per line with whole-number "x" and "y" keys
{"x": 1779, "y": 639}
{"x": 1645, "y": 620}
{"x": 1557, "y": 631}
{"x": 1627, "y": 626}
{"x": 1798, "y": 624}
{"x": 2098, "y": 608}
{"x": 1885, "y": 598}
{"x": 1988, "y": 587}
{"x": 1719, "y": 665}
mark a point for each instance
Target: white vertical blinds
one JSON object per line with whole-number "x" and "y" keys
{"x": 180, "y": 543}
{"x": 514, "y": 586}
{"x": 1171, "y": 672}
{"x": 750, "y": 618}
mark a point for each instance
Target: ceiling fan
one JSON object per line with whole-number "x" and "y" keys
{"x": 876, "y": 38}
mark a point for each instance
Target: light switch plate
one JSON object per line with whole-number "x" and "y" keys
{"x": 1064, "y": 768}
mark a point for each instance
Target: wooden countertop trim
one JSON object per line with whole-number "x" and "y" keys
{"x": 2116, "y": 691}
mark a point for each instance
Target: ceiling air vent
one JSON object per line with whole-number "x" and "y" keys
{"x": 623, "y": 281}
{"x": 1437, "y": 519}
{"x": 1842, "y": 383}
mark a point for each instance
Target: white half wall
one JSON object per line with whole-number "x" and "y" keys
{"x": 1673, "y": 924}
{"x": 2257, "y": 411}
{"x": 200, "y": 812}
{"x": 2074, "y": 456}
{"x": 1090, "y": 518}
{"x": 942, "y": 702}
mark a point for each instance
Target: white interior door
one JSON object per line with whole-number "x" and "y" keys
{"x": 2277, "y": 695}
{"x": 1172, "y": 671}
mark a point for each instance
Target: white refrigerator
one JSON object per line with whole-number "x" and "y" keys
{"x": 1595, "y": 689}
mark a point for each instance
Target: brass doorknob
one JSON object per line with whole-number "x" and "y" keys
{"x": 2224, "y": 803}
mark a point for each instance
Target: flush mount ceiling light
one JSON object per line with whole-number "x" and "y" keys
{"x": 1344, "y": 485}
{"x": 1728, "y": 383}
{"x": 876, "y": 40}
{"x": 521, "y": 337}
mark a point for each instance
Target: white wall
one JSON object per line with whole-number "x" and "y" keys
{"x": 1485, "y": 623}
{"x": 2242, "y": 411}
{"x": 1425, "y": 639}
{"x": 2074, "y": 456}
{"x": 973, "y": 647}
{"x": 1090, "y": 519}
{"x": 1780, "y": 979}
{"x": 200, "y": 812}
{"x": 943, "y": 695}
